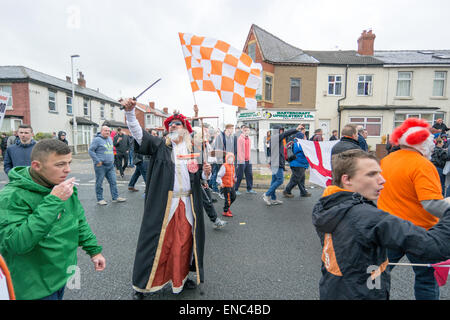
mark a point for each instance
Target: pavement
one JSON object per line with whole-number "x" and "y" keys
{"x": 263, "y": 253}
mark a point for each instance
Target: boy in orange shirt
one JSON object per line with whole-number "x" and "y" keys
{"x": 226, "y": 177}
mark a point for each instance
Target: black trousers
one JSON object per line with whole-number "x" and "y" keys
{"x": 122, "y": 162}
{"x": 208, "y": 205}
{"x": 230, "y": 196}
{"x": 297, "y": 179}
{"x": 244, "y": 168}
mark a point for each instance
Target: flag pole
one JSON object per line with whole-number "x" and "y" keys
{"x": 417, "y": 265}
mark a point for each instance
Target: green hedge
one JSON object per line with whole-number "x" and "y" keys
{"x": 42, "y": 135}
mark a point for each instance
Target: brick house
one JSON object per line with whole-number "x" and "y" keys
{"x": 150, "y": 117}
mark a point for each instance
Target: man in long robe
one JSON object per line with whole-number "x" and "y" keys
{"x": 172, "y": 235}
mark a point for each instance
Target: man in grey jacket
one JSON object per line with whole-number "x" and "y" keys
{"x": 102, "y": 154}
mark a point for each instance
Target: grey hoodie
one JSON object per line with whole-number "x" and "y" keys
{"x": 101, "y": 150}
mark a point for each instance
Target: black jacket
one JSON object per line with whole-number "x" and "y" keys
{"x": 123, "y": 145}
{"x": 355, "y": 235}
{"x": 439, "y": 157}
{"x": 281, "y": 159}
{"x": 441, "y": 126}
{"x": 345, "y": 144}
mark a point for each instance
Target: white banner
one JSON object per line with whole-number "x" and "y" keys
{"x": 3, "y": 101}
{"x": 4, "y": 292}
{"x": 318, "y": 155}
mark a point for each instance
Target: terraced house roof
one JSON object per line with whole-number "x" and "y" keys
{"x": 276, "y": 51}
{"x": 20, "y": 73}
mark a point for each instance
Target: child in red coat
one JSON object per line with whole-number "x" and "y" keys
{"x": 226, "y": 177}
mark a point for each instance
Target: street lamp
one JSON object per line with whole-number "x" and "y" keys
{"x": 74, "y": 129}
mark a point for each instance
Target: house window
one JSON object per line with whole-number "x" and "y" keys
{"x": 404, "y": 84}
{"x": 268, "y": 88}
{"x": 295, "y": 90}
{"x": 429, "y": 117}
{"x": 84, "y": 135}
{"x": 8, "y": 91}
{"x": 69, "y": 104}
{"x": 102, "y": 110}
{"x": 364, "y": 85}
{"x": 334, "y": 85}
{"x": 52, "y": 100}
{"x": 252, "y": 50}
{"x": 439, "y": 83}
{"x": 371, "y": 124}
{"x": 86, "y": 107}
{"x": 112, "y": 112}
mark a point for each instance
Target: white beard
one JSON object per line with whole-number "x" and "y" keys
{"x": 426, "y": 148}
{"x": 174, "y": 135}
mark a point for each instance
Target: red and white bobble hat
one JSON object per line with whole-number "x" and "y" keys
{"x": 414, "y": 133}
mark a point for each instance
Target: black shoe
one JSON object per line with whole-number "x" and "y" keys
{"x": 287, "y": 195}
{"x": 138, "y": 295}
{"x": 189, "y": 284}
{"x": 306, "y": 194}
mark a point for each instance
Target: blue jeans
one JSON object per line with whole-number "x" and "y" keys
{"x": 130, "y": 158}
{"x": 442, "y": 178}
{"x": 212, "y": 182}
{"x": 141, "y": 170}
{"x": 425, "y": 285}
{"x": 277, "y": 180}
{"x": 105, "y": 171}
{"x": 58, "y": 295}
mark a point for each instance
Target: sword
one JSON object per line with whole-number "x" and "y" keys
{"x": 140, "y": 94}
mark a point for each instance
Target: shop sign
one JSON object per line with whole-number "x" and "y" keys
{"x": 289, "y": 115}
{"x": 276, "y": 115}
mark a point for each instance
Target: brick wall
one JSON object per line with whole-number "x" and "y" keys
{"x": 266, "y": 67}
{"x": 282, "y": 87}
{"x": 21, "y": 102}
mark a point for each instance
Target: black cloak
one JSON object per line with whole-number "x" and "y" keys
{"x": 158, "y": 196}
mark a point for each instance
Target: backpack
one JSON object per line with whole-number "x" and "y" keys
{"x": 290, "y": 156}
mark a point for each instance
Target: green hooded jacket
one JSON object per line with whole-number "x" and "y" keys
{"x": 40, "y": 235}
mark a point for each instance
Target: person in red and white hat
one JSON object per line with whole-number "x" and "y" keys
{"x": 172, "y": 235}
{"x": 413, "y": 192}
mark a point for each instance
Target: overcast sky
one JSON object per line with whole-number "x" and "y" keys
{"x": 127, "y": 45}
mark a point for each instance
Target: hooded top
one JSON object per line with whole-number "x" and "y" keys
{"x": 40, "y": 234}
{"x": 101, "y": 150}
{"x": 60, "y": 134}
{"x": 355, "y": 235}
{"x": 18, "y": 154}
{"x": 227, "y": 173}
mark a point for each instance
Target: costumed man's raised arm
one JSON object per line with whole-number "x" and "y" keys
{"x": 145, "y": 143}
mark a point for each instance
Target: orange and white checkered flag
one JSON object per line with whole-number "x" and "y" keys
{"x": 214, "y": 65}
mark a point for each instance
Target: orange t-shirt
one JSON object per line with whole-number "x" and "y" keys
{"x": 410, "y": 178}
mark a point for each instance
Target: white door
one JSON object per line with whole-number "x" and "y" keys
{"x": 325, "y": 126}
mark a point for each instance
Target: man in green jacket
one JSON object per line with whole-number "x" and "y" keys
{"x": 42, "y": 223}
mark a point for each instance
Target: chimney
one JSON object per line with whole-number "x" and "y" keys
{"x": 152, "y": 105}
{"x": 68, "y": 79}
{"x": 365, "y": 43}
{"x": 166, "y": 110}
{"x": 81, "y": 81}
